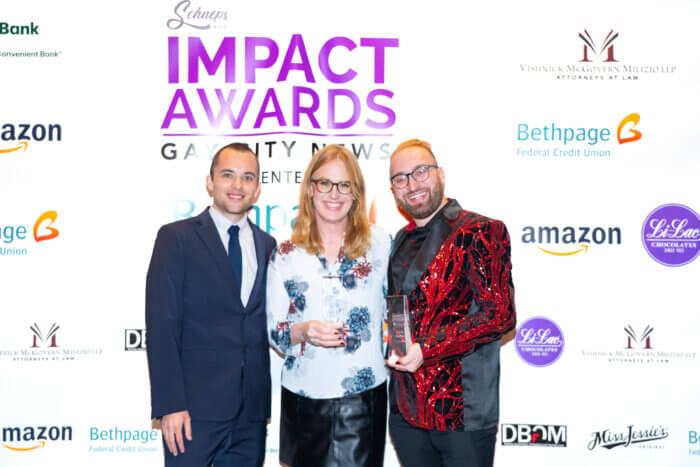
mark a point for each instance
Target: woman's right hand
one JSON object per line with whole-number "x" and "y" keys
{"x": 319, "y": 333}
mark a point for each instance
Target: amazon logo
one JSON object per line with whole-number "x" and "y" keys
{"x": 18, "y": 137}
{"x": 569, "y": 240}
{"x": 30, "y": 438}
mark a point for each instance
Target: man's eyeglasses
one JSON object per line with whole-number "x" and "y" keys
{"x": 419, "y": 174}
{"x": 325, "y": 186}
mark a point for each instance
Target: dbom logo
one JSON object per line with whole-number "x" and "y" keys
{"x": 671, "y": 235}
{"x": 134, "y": 339}
{"x": 533, "y": 435}
{"x": 539, "y": 341}
{"x": 270, "y": 218}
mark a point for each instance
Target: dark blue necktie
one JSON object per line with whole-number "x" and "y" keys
{"x": 235, "y": 256}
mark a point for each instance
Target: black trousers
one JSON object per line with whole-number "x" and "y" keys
{"x": 416, "y": 447}
{"x": 231, "y": 443}
{"x": 341, "y": 432}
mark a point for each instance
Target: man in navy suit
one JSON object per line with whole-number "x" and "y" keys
{"x": 206, "y": 334}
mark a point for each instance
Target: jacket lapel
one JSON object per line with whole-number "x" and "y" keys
{"x": 398, "y": 241}
{"x": 206, "y": 229}
{"x": 259, "y": 242}
{"x": 436, "y": 237}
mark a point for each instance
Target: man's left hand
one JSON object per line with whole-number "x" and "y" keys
{"x": 409, "y": 362}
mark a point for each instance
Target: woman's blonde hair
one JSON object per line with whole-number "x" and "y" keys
{"x": 357, "y": 234}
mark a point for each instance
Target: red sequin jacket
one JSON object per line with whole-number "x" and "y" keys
{"x": 460, "y": 294}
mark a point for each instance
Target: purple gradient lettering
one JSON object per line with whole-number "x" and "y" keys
{"x": 298, "y": 109}
{"x": 226, "y": 107}
{"x": 252, "y": 63}
{"x": 179, "y": 96}
{"x": 173, "y": 60}
{"x": 197, "y": 52}
{"x": 324, "y": 56}
{"x": 332, "y": 94}
{"x": 379, "y": 45}
{"x": 270, "y": 96}
{"x": 297, "y": 42}
{"x": 390, "y": 114}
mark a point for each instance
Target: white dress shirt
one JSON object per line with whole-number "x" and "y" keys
{"x": 245, "y": 238}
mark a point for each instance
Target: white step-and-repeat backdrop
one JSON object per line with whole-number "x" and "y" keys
{"x": 575, "y": 124}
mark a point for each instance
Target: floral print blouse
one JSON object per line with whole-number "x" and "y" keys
{"x": 303, "y": 287}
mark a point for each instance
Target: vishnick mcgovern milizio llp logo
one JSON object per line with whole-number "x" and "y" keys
{"x": 597, "y": 56}
{"x": 46, "y": 344}
{"x": 639, "y": 345}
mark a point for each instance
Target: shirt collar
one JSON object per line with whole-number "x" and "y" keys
{"x": 448, "y": 211}
{"x": 222, "y": 223}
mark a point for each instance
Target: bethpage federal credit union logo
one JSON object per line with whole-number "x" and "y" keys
{"x": 597, "y": 60}
{"x": 17, "y": 137}
{"x": 693, "y": 441}
{"x": 636, "y": 346}
{"x": 124, "y": 440}
{"x": 22, "y": 30}
{"x": 533, "y": 435}
{"x": 134, "y": 339}
{"x": 671, "y": 235}
{"x": 539, "y": 341}
{"x": 14, "y": 237}
{"x": 555, "y": 141}
{"x": 269, "y": 217}
{"x": 44, "y": 345}
{"x": 29, "y": 438}
{"x": 570, "y": 240}
{"x": 642, "y": 437}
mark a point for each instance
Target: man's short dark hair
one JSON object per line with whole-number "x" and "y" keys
{"x": 240, "y": 147}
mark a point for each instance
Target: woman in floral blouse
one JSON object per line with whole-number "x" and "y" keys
{"x": 325, "y": 306}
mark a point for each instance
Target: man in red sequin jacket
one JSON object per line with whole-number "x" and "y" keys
{"x": 454, "y": 266}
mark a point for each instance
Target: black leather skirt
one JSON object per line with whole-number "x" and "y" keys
{"x": 342, "y": 432}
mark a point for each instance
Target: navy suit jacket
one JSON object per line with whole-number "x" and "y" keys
{"x": 206, "y": 352}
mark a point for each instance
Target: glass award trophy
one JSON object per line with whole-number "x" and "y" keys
{"x": 399, "y": 324}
